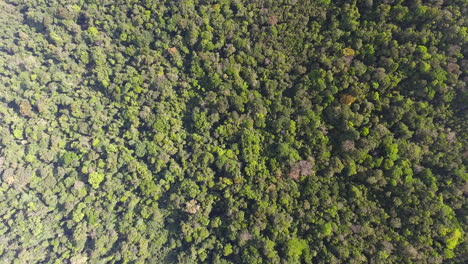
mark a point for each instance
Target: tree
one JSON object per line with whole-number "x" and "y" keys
{"x": 95, "y": 179}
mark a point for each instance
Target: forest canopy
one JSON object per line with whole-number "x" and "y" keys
{"x": 231, "y": 131}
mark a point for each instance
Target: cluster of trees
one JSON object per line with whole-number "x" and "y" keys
{"x": 233, "y": 131}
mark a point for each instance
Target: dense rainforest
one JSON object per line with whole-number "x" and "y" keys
{"x": 233, "y": 131}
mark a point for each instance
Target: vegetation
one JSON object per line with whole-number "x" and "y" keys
{"x": 233, "y": 131}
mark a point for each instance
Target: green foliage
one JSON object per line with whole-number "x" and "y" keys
{"x": 227, "y": 250}
{"x": 233, "y": 131}
{"x": 295, "y": 248}
{"x": 95, "y": 178}
{"x": 327, "y": 229}
{"x": 453, "y": 239}
{"x": 93, "y": 32}
{"x": 18, "y": 133}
